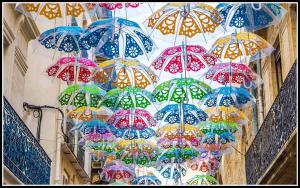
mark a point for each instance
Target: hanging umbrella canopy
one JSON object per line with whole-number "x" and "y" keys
{"x": 172, "y": 171}
{"x": 202, "y": 180}
{"x": 62, "y": 38}
{"x": 64, "y": 69}
{"x": 175, "y": 131}
{"x": 78, "y": 96}
{"x": 118, "y": 172}
{"x": 239, "y": 46}
{"x": 172, "y": 59}
{"x": 117, "y": 38}
{"x": 129, "y": 97}
{"x": 252, "y": 16}
{"x": 226, "y": 114}
{"x": 233, "y": 73}
{"x": 180, "y": 90}
{"x": 91, "y": 113}
{"x": 183, "y": 19}
{"x": 139, "y": 151}
{"x": 219, "y": 127}
{"x": 178, "y": 155}
{"x": 97, "y": 155}
{"x": 146, "y": 180}
{"x": 124, "y": 73}
{"x": 166, "y": 143}
{"x": 206, "y": 164}
{"x": 228, "y": 96}
{"x": 218, "y": 142}
{"x": 172, "y": 113}
{"x": 106, "y": 148}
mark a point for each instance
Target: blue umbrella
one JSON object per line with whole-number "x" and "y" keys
{"x": 171, "y": 114}
{"x": 228, "y": 96}
{"x": 252, "y": 16}
{"x": 63, "y": 38}
{"x": 116, "y": 37}
{"x": 146, "y": 180}
{"x": 130, "y": 134}
{"x": 170, "y": 171}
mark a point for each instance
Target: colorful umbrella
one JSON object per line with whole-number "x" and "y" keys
{"x": 90, "y": 113}
{"x": 226, "y": 114}
{"x": 63, "y": 38}
{"x": 64, "y": 69}
{"x": 112, "y": 6}
{"x": 178, "y": 155}
{"x": 202, "y": 180}
{"x": 138, "y": 119}
{"x": 51, "y": 11}
{"x": 116, "y": 37}
{"x": 228, "y": 96}
{"x": 146, "y": 180}
{"x": 125, "y": 73}
{"x": 138, "y": 151}
{"x": 208, "y": 164}
{"x": 219, "y": 127}
{"x": 180, "y": 90}
{"x": 172, "y": 113}
{"x": 172, "y": 59}
{"x": 240, "y": 74}
{"x": 184, "y": 19}
{"x": 172, "y": 171}
{"x": 79, "y": 95}
{"x": 104, "y": 147}
{"x": 220, "y": 142}
{"x": 97, "y": 155}
{"x": 252, "y": 16}
{"x": 241, "y": 45}
{"x": 129, "y": 97}
{"x": 118, "y": 172}
{"x": 166, "y": 143}
{"x": 175, "y": 131}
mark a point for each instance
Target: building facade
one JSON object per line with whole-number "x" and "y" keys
{"x": 265, "y": 153}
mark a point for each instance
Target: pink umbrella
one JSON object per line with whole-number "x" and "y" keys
{"x": 64, "y": 69}
{"x": 172, "y": 59}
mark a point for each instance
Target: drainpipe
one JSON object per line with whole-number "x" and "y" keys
{"x": 259, "y": 90}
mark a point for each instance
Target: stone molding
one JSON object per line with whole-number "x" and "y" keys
{"x": 20, "y": 61}
{"x": 8, "y": 33}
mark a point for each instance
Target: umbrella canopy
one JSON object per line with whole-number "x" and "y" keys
{"x": 226, "y": 114}
{"x": 228, "y": 96}
{"x": 183, "y": 19}
{"x": 166, "y": 143}
{"x": 117, "y": 37}
{"x": 180, "y": 90}
{"x": 233, "y": 73}
{"x": 178, "y": 155}
{"x": 129, "y": 97}
{"x": 202, "y": 180}
{"x": 106, "y": 148}
{"x": 146, "y": 180}
{"x": 252, "y": 16}
{"x": 219, "y": 127}
{"x": 172, "y": 113}
{"x": 64, "y": 69}
{"x": 63, "y": 38}
{"x": 112, "y": 6}
{"x": 138, "y": 151}
{"x": 79, "y": 95}
{"x": 207, "y": 164}
{"x": 124, "y": 73}
{"x": 218, "y": 142}
{"x": 238, "y": 46}
{"x": 172, "y": 59}
{"x": 171, "y": 171}
{"x": 91, "y": 113}
{"x": 176, "y": 131}
{"x": 118, "y": 172}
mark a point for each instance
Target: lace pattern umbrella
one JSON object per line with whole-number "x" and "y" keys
{"x": 118, "y": 172}
{"x": 146, "y": 180}
{"x": 91, "y": 113}
{"x": 202, "y": 180}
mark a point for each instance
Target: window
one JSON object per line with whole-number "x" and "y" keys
{"x": 277, "y": 66}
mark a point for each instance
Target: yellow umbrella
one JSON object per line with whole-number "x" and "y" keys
{"x": 226, "y": 114}
{"x": 91, "y": 113}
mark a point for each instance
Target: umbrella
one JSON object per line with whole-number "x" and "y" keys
{"x": 97, "y": 155}
{"x": 129, "y": 97}
{"x": 180, "y": 90}
{"x": 183, "y": 19}
{"x": 178, "y": 155}
{"x": 63, "y": 38}
{"x": 104, "y": 147}
{"x": 125, "y": 73}
{"x": 79, "y": 95}
{"x": 112, "y": 6}
{"x": 91, "y": 113}
{"x": 176, "y": 131}
{"x": 116, "y": 37}
{"x": 172, "y": 59}
{"x": 252, "y": 16}
{"x": 138, "y": 151}
{"x": 226, "y": 114}
{"x": 171, "y": 171}
{"x": 228, "y": 96}
{"x": 202, "y": 180}
{"x": 166, "y": 143}
{"x": 241, "y": 45}
{"x": 237, "y": 73}
{"x": 218, "y": 142}
{"x": 146, "y": 180}
{"x": 208, "y": 164}
{"x": 219, "y": 127}
{"x": 64, "y": 69}
{"x": 171, "y": 114}
{"x": 118, "y": 172}
{"x": 51, "y": 11}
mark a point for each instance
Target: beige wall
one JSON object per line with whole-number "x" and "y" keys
{"x": 233, "y": 165}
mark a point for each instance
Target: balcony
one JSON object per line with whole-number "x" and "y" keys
{"x": 274, "y": 144}
{"x": 22, "y": 154}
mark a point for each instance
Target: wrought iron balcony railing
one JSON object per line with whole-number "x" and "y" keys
{"x": 276, "y": 129}
{"x": 22, "y": 154}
